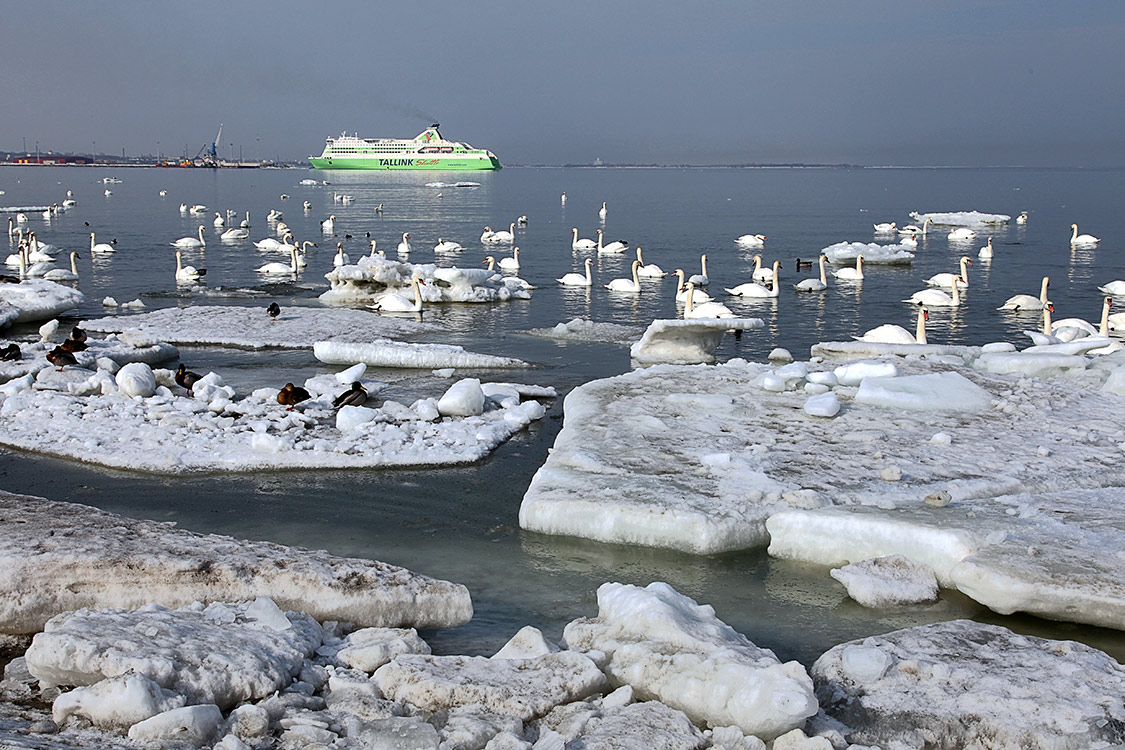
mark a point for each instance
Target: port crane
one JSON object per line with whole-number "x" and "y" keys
{"x": 210, "y": 157}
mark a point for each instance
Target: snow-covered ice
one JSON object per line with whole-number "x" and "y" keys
{"x": 961, "y": 218}
{"x": 668, "y": 648}
{"x": 117, "y": 349}
{"x": 967, "y": 684}
{"x": 36, "y": 299}
{"x": 580, "y": 329}
{"x": 373, "y": 276}
{"x": 891, "y": 581}
{"x": 386, "y": 353}
{"x": 57, "y": 557}
{"x": 686, "y": 341}
{"x": 873, "y": 253}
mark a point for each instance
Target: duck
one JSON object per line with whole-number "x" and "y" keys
{"x": 187, "y": 242}
{"x": 814, "y": 285}
{"x": 1022, "y": 218}
{"x": 445, "y": 246}
{"x": 394, "y": 302}
{"x": 632, "y": 285}
{"x": 273, "y": 310}
{"x": 581, "y": 244}
{"x": 945, "y": 279}
{"x": 577, "y": 279}
{"x": 961, "y": 233}
{"x": 219, "y": 220}
{"x": 936, "y": 297}
{"x": 700, "y": 279}
{"x": 61, "y": 274}
{"x": 681, "y": 288}
{"x": 10, "y": 353}
{"x": 341, "y": 258}
{"x": 187, "y": 378}
{"x": 850, "y": 274}
{"x": 803, "y": 264}
{"x": 706, "y": 309}
{"x": 1026, "y": 301}
{"x": 985, "y": 253}
{"x": 889, "y": 226}
{"x": 888, "y": 333}
{"x": 1081, "y": 239}
{"x": 354, "y": 396}
{"x": 1116, "y": 288}
{"x": 61, "y": 358}
{"x": 235, "y": 233}
{"x": 751, "y": 240}
{"x": 73, "y": 346}
{"x": 281, "y": 268}
{"x": 404, "y": 246}
{"x": 650, "y": 271}
{"x": 617, "y": 246}
{"x": 187, "y": 273}
{"x": 511, "y": 262}
{"x": 754, "y": 289}
{"x": 78, "y": 334}
{"x": 291, "y": 395}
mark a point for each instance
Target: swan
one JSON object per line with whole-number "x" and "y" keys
{"x": 1026, "y": 301}
{"x": 21, "y": 217}
{"x": 183, "y": 208}
{"x": 190, "y": 242}
{"x": 1069, "y": 329}
{"x": 522, "y": 220}
{"x": 307, "y": 206}
{"x": 513, "y": 283}
{"x": 447, "y": 247}
{"x": 986, "y": 251}
{"x": 909, "y": 240}
{"x": 512, "y": 262}
{"x": 374, "y": 252}
{"x": 1022, "y": 218}
{"x": 245, "y": 223}
{"x": 681, "y": 288}
{"x": 235, "y": 234}
{"x": 564, "y": 199}
{"x": 961, "y": 233}
{"x": 577, "y": 279}
{"x": 187, "y": 273}
{"x": 404, "y": 246}
{"x": 108, "y": 192}
{"x": 394, "y": 302}
{"x": 700, "y": 279}
{"x": 486, "y": 235}
{"x": 1081, "y": 239}
{"x": 650, "y": 271}
{"x": 602, "y": 211}
{"x": 705, "y": 309}
{"x": 753, "y": 289}
{"x": 1116, "y": 288}
{"x": 269, "y": 243}
{"x": 626, "y": 285}
{"x": 329, "y": 224}
{"x": 198, "y": 209}
{"x": 851, "y": 274}
{"x": 280, "y": 268}
{"x": 889, "y": 226}
{"x": 503, "y": 237}
{"x": 61, "y": 274}
{"x": 945, "y": 279}
{"x": 760, "y": 274}
{"x": 752, "y": 240}
{"x": 341, "y": 258}
{"x": 617, "y": 246}
{"x": 936, "y": 297}
{"x": 581, "y": 244}
{"x": 888, "y": 333}
{"x": 281, "y": 229}
{"x": 274, "y": 215}
{"x": 219, "y": 220}
{"x": 1045, "y": 337}
{"x": 815, "y": 285}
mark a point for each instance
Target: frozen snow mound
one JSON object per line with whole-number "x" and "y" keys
{"x": 57, "y": 557}
{"x": 252, "y": 328}
{"x": 36, "y": 299}
{"x": 374, "y": 276}
{"x": 859, "y": 349}
{"x": 121, "y": 350}
{"x": 684, "y": 342}
{"x": 891, "y": 581}
{"x": 965, "y": 684}
{"x": 873, "y": 253}
{"x": 961, "y": 218}
{"x": 397, "y": 354}
{"x": 665, "y": 646}
{"x": 580, "y": 329}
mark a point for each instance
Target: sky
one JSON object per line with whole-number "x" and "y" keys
{"x": 958, "y": 82}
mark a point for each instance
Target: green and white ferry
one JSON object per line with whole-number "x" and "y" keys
{"x": 427, "y": 150}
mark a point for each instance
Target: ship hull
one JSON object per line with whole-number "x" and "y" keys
{"x": 452, "y": 163}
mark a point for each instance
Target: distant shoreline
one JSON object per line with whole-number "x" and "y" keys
{"x": 299, "y": 165}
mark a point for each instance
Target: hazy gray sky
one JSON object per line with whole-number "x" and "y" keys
{"x": 969, "y": 82}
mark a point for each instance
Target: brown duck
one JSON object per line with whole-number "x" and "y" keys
{"x": 291, "y": 395}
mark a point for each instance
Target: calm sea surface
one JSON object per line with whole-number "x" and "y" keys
{"x": 461, "y": 523}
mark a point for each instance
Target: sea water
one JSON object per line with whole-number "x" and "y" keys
{"x": 461, "y": 523}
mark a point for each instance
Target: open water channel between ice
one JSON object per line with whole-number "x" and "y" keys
{"x": 460, "y": 523}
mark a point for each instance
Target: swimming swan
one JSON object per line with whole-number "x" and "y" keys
{"x": 945, "y": 279}
{"x": 700, "y": 279}
{"x": 394, "y": 302}
{"x": 985, "y": 252}
{"x": 281, "y": 268}
{"x": 757, "y": 290}
{"x": 650, "y": 271}
{"x": 187, "y": 273}
{"x": 581, "y": 244}
{"x": 706, "y": 309}
{"x": 681, "y": 288}
{"x": 511, "y": 262}
{"x": 190, "y": 242}
{"x": 814, "y": 285}
{"x": 936, "y": 297}
{"x": 961, "y": 233}
{"x": 851, "y": 274}
{"x": 1081, "y": 239}
{"x": 1026, "y": 301}
{"x": 627, "y": 285}
{"x": 617, "y": 246}
{"x": 61, "y": 274}
{"x": 888, "y": 333}
{"x": 577, "y": 279}
{"x": 752, "y": 240}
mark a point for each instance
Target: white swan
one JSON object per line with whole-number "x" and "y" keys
{"x": 198, "y": 208}
{"x": 889, "y": 226}
{"x": 187, "y": 273}
{"x": 307, "y": 206}
{"x": 753, "y": 289}
{"x": 190, "y": 242}
{"x": 705, "y": 309}
{"x": 281, "y": 268}
{"x": 617, "y": 246}
{"x": 1069, "y": 329}
{"x": 760, "y": 274}
{"x": 985, "y": 252}
{"x": 909, "y": 240}
{"x": 328, "y": 225}
{"x": 269, "y": 243}
{"x": 394, "y": 302}
{"x": 945, "y": 279}
{"x": 1116, "y": 288}
{"x": 341, "y": 258}
{"x": 888, "y": 333}
{"x": 444, "y": 246}
{"x": 245, "y": 223}
{"x": 1026, "y": 301}
{"x": 486, "y": 235}
{"x": 851, "y": 274}
{"x": 511, "y": 262}
{"x": 602, "y": 212}
{"x": 274, "y": 215}
{"x": 503, "y": 237}
{"x": 650, "y": 271}
{"x": 1045, "y": 337}
{"x": 815, "y": 285}
{"x": 752, "y": 240}
{"x": 404, "y": 246}
{"x": 564, "y": 199}
{"x": 961, "y": 233}
{"x": 581, "y": 244}
{"x": 235, "y": 233}
{"x": 681, "y": 288}
{"x": 577, "y": 279}
{"x": 219, "y": 220}
{"x": 61, "y": 274}
{"x": 1022, "y": 218}
{"x": 1081, "y": 239}
{"x": 626, "y": 285}
{"x": 700, "y": 279}
{"x": 936, "y": 297}
{"x": 281, "y": 229}
{"x": 183, "y": 208}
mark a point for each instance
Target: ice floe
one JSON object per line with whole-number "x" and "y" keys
{"x": 891, "y": 581}
{"x": 873, "y": 254}
{"x": 580, "y": 329}
{"x": 686, "y": 341}
{"x": 36, "y": 299}
{"x": 57, "y": 557}
{"x": 387, "y": 353}
{"x": 114, "y": 350}
{"x": 373, "y": 276}
{"x": 961, "y": 218}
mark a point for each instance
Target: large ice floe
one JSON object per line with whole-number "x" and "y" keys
{"x": 36, "y": 299}
{"x": 400, "y": 354}
{"x": 966, "y": 684}
{"x": 373, "y": 276}
{"x": 109, "y": 353}
{"x": 58, "y": 557}
{"x": 961, "y": 218}
{"x": 686, "y": 341}
{"x": 580, "y": 329}
{"x": 135, "y": 420}
{"x": 873, "y": 253}
{"x": 1004, "y": 485}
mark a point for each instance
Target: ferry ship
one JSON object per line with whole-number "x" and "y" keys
{"x": 427, "y": 150}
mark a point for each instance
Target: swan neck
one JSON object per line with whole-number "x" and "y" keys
{"x": 920, "y": 330}
{"x": 823, "y": 277}
{"x": 1103, "y": 327}
{"x": 1043, "y": 290}
{"x": 1047, "y": 321}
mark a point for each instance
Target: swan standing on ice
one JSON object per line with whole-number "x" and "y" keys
{"x": 61, "y": 274}
{"x": 511, "y": 262}
{"x": 650, "y": 271}
{"x": 626, "y": 285}
{"x": 404, "y": 246}
{"x": 187, "y": 273}
{"x": 1082, "y": 239}
{"x": 341, "y": 258}
{"x": 613, "y": 248}
{"x": 815, "y": 285}
{"x": 1026, "y": 301}
{"x": 577, "y": 279}
{"x": 961, "y": 233}
{"x": 394, "y": 302}
{"x": 581, "y": 244}
{"x": 936, "y": 297}
{"x": 190, "y": 242}
{"x": 752, "y": 240}
{"x": 753, "y": 289}
{"x": 986, "y": 251}
{"x": 888, "y": 333}
{"x": 850, "y": 274}
{"x": 706, "y": 309}
{"x": 700, "y": 279}
{"x": 945, "y": 279}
